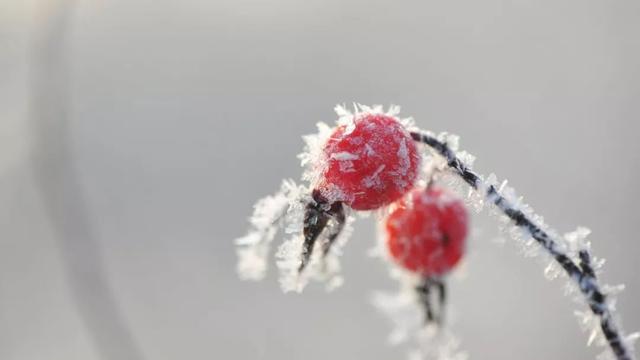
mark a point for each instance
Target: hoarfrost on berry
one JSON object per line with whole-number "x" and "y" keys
{"x": 368, "y": 161}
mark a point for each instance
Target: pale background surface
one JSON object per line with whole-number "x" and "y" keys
{"x": 182, "y": 113}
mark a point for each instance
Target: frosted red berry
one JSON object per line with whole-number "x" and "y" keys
{"x": 369, "y": 162}
{"x": 426, "y": 232}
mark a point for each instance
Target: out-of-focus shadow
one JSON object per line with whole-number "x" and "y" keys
{"x": 60, "y": 189}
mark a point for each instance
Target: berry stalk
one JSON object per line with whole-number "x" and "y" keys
{"x": 582, "y": 273}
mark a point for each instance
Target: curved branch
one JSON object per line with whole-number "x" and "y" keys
{"x": 582, "y": 273}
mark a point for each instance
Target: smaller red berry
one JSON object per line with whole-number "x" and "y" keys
{"x": 369, "y": 162}
{"x": 426, "y": 232}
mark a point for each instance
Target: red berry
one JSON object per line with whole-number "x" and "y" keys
{"x": 428, "y": 235}
{"x": 369, "y": 163}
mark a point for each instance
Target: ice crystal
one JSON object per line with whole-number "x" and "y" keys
{"x": 253, "y": 248}
{"x": 285, "y": 209}
{"x": 576, "y": 241}
{"x": 438, "y": 344}
{"x": 311, "y": 157}
{"x": 499, "y": 196}
{"x": 402, "y": 309}
{"x": 326, "y": 270}
{"x": 552, "y": 270}
{"x": 288, "y": 254}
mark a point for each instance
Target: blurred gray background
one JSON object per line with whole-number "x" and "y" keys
{"x": 135, "y": 136}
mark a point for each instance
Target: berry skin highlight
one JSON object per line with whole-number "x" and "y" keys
{"x": 426, "y": 232}
{"x": 369, "y": 162}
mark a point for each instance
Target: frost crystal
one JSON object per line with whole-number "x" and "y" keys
{"x": 325, "y": 269}
{"x": 530, "y": 231}
{"x": 344, "y": 156}
{"x": 253, "y": 248}
{"x": 285, "y": 209}
{"x": 402, "y": 309}
{"x": 576, "y": 241}
{"x": 311, "y": 157}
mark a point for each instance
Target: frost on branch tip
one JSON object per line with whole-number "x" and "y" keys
{"x": 325, "y": 270}
{"x": 269, "y": 212}
{"x": 285, "y": 211}
{"x": 402, "y": 308}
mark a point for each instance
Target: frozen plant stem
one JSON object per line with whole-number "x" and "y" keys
{"x": 581, "y": 273}
{"x": 317, "y": 215}
{"x": 424, "y": 290}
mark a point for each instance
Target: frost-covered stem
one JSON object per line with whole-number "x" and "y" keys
{"x": 424, "y": 290}
{"x": 582, "y": 273}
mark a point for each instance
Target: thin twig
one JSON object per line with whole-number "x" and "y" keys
{"x": 582, "y": 273}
